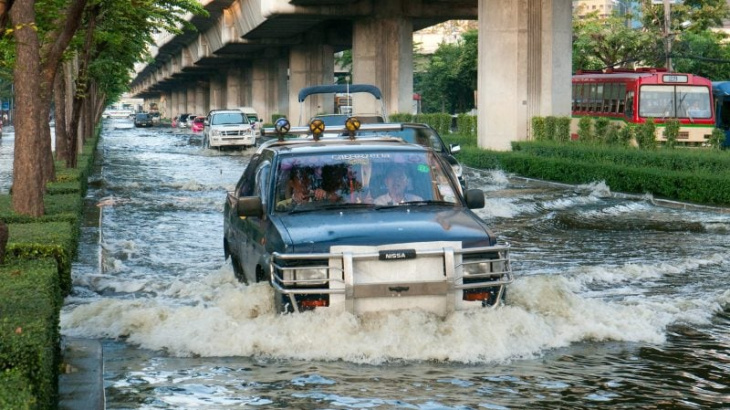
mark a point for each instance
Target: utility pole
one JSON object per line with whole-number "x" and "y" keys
{"x": 667, "y": 35}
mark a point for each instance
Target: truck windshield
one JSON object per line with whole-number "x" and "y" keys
{"x": 228, "y": 118}
{"x": 363, "y": 178}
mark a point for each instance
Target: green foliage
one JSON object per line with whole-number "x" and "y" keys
{"x": 646, "y": 134}
{"x": 638, "y": 37}
{"x": 600, "y": 42}
{"x": 275, "y": 117}
{"x": 58, "y": 240}
{"x": 585, "y": 129}
{"x": 449, "y": 80}
{"x": 611, "y": 136}
{"x": 699, "y": 176}
{"x": 671, "y": 132}
{"x": 401, "y": 117}
{"x": 717, "y": 138}
{"x": 601, "y": 129}
{"x": 538, "y": 129}
{"x": 15, "y": 391}
{"x": 30, "y": 304}
{"x": 626, "y": 134}
{"x": 467, "y": 124}
{"x": 439, "y": 121}
{"x": 562, "y": 129}
{"x": 550, "y": 126}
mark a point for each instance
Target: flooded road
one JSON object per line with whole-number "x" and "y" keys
{"x": 618, "y": 302}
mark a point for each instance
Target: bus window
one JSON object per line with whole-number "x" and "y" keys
{"x": 657, "y": 101}
{"x": 610, "y": 96}
{"x": 582, "y": 97}
{"x": 630, "y": 104}
{"x": 621, "y": 98}
{"x": 592, "y": 99}
{"x": 693, "y": 102}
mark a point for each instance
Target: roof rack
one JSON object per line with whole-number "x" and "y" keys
{"x": 316, "y": 128}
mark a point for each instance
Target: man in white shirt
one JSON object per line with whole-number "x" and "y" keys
{"x": 396, "y": 181}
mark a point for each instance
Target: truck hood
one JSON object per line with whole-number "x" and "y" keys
{"x": 318, "y": 231}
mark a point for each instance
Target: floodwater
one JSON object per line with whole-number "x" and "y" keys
{"x": 619, "y": 302}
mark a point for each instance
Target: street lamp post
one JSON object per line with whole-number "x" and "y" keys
{"x": 667, "y": 35}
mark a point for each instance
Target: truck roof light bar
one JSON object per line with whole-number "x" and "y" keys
{"x": 317, "y": 127}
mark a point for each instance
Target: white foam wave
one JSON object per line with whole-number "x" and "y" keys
{"x": 228, "y": 319}
{"x": 565, "y": 203}
{"x": 642, "y": 272}
{"x": 598, "y": 189}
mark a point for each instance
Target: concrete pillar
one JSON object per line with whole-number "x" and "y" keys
{"x": 269, "y": 87}
{"x": 246, "y": 94}
{"x": 524, "y": 67}
{"x": 382, "y": 55}
{"x": 182, "y": 101}
{"x": 165, "y": 106}
{"x": 216, "y": 93}
{"x": 190, "y": 98}
{"x": 173, "y": 112}
{"x": 201, "y": 98}
{"x": 233, "y": 88}
{"x": 310, "y": 63}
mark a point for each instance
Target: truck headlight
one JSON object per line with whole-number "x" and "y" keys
{"x": 215, "y": 133}
{"x": 305, "y": 276}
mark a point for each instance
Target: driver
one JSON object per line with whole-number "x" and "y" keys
{"x": 396, "y": 182}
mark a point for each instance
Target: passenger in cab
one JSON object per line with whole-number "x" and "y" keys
{"x": 297, "y": 190}
{"x": 396, "y": 182}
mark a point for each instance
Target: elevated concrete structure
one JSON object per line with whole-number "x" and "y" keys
{"x": 261, "y": 52}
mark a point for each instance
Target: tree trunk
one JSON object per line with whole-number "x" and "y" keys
{"x": 28, "y": 183}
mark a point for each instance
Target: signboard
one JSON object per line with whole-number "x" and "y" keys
{"x": 6, "y": 105}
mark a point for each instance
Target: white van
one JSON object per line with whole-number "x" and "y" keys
{"x": 228, "y": 128}
{"x": 253, "y": 119}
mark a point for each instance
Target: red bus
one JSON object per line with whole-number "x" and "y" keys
{"x": 637, "y": 95}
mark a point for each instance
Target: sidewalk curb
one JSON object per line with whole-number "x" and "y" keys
{"x": 81, "y": 382}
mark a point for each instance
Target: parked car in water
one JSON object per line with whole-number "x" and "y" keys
{"x": 143, "y": 119}
{"x": 182, "y": 120}
{"x": 361, "y": 225}
{"x": 198, "y": 124}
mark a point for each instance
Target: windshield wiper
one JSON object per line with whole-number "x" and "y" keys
{"x": 422, "y": 202}
{"x": 326, "y": 207}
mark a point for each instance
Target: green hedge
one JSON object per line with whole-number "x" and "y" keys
{"x": 665, "y": 173}
{"x": 61, "y": 207}
{"x": 33, "y": 281}
{"x": 684, "y": 160}
{"x": 57, "y": 240}
{"x": 29, "y": 333}
{"x": 15, "y": 391}
{"x": 441, "y": 122}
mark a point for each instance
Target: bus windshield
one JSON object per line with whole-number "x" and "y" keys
{"x": 674, "y": 101}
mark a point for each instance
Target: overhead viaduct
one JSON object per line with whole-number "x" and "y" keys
{"x": 261, "y": 52}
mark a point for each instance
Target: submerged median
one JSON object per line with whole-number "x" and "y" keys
{"x": 696, "y": 175}
{"x": 35, "y": 276}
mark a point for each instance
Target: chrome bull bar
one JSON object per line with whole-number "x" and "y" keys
{"x": 298, "y": 274}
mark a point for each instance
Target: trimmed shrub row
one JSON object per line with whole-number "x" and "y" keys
{"x": 672, "y": 174}
{"x": 34, "y": 279}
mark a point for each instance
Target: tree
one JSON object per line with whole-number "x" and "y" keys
{"x": 42, "y": 31}
{"x": 600, "y": 43}
{"x": 449, "y": 81}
